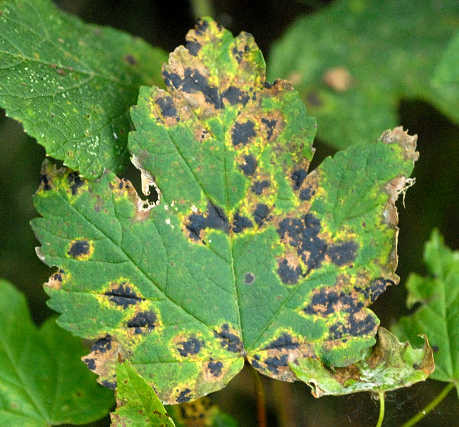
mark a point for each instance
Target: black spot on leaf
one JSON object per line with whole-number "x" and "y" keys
{"x": 249, "y": 166}
{"x": 287, "y": 274}
{"x": 260, "y": 214}
{"x": 75, "y": 182}
{"x": 191, "y": 346}
{"x": 44, "y": 181}
{"x": 90, "y": 363}
{"x": 298, "y": 177}
{"x": 249, "y": 278}
{"x": 79, "y": 248}
{"x": 166, "y": 104}
{"x": 259, "y": 186}
{"x": 102, "y": 345}
{"x": 228, "y": 340}
{"x": 235, "y": 96}
{"x": 283, "y": 342}
{"x": 354, "y": 326}
{"x": 215, "y": 219}
{"x": 215, "y": 368}
{"x": 306, "y": 194}
{"x": 193, "y": 47}
{"x": 143, "y": 319}
{"x": 270, "y": 125}
{"x": 123, "y": 295}
{"x": 274, "y": 363}
{"x": 342, "y": 253}
{"x": 326, "y": 301}
{"x": 201, "y": 27}
{"x": 184, "y": 396}
{"x": 242, "y": 132}
{"x": 109, "y": 384}
{"x": 240, "y": 223}
{"x": 130, "y": 59}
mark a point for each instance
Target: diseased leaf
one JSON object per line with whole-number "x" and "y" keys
{"x": 389, "y": 366}
{"x": 71, "y": 84}
{"x": 246, "y": 255}
{"x": 446, "y": 77}
{"x": 200, "y": 413}
{"x": 438, "y": 315}
{"x": 42, "y": 379}
{"x": 137, "y": 403}
{"x": 353, "y": 61}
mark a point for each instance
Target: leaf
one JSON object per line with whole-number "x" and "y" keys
{"x": 446, "y": 76}
{"x": 42, "y": 379}
{"x": 137, "y": 403}
{"x": 438, "y": 294}
{"x": 389, "y": 366}
{"x": 200, "y": 413}
{"x": 353, "y": 62}
{"x": 245, "y": 256}
{"x": 71, "y": 84}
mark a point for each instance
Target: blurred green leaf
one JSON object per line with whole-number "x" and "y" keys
{"x": 354, "y": 60}
{"x": 71, "y": 84}
{"x": 437, "y": 317}
{"x": 390, "y": 365}
{"x": 42, "y": 378}
{"x": 137, "y": 403}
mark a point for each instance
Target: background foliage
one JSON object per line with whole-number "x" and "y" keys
{"x": 429, "y": 204}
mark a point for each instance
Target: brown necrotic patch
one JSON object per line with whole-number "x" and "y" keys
{"x": 80, "y": 249}
{"x": 214, "y": 218}
{"x": 56, "y": 279}
{"x": 229, "y": 339}
{"x": 122, "y": 293}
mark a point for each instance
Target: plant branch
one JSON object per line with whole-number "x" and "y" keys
{"x": 381, "y": 409}
{"x": 260, "y": 393}
{"x": 423, "y": 412}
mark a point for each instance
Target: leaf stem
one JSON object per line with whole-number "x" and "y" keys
{"x": 202, "y": 8}
{"x": 381, "y": 409}
{"x": 260, "y": 393}
{"x": 423, "y": 412}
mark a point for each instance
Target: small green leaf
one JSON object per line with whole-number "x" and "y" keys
{"x": 246, "y": 256}
{"x": 42, "y": 379}
{"x": 389, "y": 366}
{"x": 437, "y": 317}
{"x": 200, "y": 413}
{"x": 137, "y": 403}
{"x": 354, "y": 60}
{"x": 71, "y": 84}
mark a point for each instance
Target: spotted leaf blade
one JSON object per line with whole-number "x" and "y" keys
{"x": 372, "y": 55}
{"x": 438, "y": 314}
{"x": 71, "y": 84}
{"x": 137, "y": 403}
{"x": 246, "y": 255}
{"x": 390, "y": 365}
{"x": 42, "y": 379}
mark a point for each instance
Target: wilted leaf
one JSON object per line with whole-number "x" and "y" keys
{"x": 389, "y": 366}
{"x": 200, "y": 413}
{"x": 446, "y": 77}
{"x": 42, "y": 379}
{"x": 354, "y": 60}
{"x": 247, "y": 256}
{"x": 438, "y": 315}
{"x": 137, "y": 403}
{"x": 71, "y": 84}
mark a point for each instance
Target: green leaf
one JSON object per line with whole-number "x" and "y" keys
{"x": 246, "y": 256}
{"x": 200, "y": 413}
{"x": 42, "y": 379}
{"x": 354, "y": 60}
{"x": 71, "y": 84}
{"x": 446, "y": 77}
{"x": 137, "y": 403}
{"x": 389, "y": 366}
{"x": 437, "y": 317}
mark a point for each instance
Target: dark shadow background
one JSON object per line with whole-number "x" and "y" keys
{"x": 432, "y": 202}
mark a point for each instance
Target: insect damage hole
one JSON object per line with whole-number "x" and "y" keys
{"x": 146, "y": 184}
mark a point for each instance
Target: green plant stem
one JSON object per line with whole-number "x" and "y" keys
{"x": 423, "y": 412}
{"x": 381, "y": 409}
{"x": 202, "y": 8}
{"x": 260, "y": 393}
